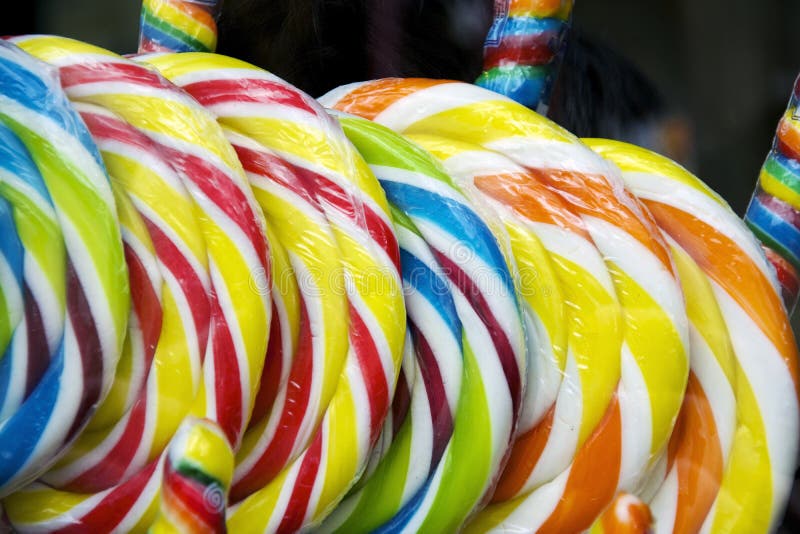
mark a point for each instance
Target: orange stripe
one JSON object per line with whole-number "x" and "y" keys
{"x": 593, "y": 477}
{"x": 523, "y": 458}
{"x": 699, "y": 460}
{"x": 627, "y": 515}
{"x": 370, "y": 99}
{"x": 737, "y": 274}
{"x": 542, "y": 8}
{"x": 530, "y": 199}
{"x": 198, "y": 13}
{"x": 594, "y": 196}
{"x": 789, "y": 135}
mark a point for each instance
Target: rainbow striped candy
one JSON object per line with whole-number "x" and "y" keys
{"x": 178, "y": 26}
{"x": 234, "y": 231}
{"x": 470, "y": 346}
{"x": 641, "y": 415}
{"x": 79, "y": 301}
{"x": 323, "y": 176}
{"x": 757, "y": 457}
{"x": 520, "y": 53}
{"x": 774, "y": 211}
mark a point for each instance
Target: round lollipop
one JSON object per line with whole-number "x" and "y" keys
{"x": 469, "y": 343}
{"x": 323, "y": 193}
{"x": 178, "y": 26}
{"x": 76, "y": 294}
{"x": 640, "y": 265}
{"x": 759, "y": 455}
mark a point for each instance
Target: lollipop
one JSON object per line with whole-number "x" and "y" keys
{"x": 178, "y": 26}
{"x": 236, "y": 250}
{"x": 520, "y": 52}
{"x": 774, "y": 211}
{"x": 469, "y": 343}
{"x": 324, "y": 439}
{"x": 759, "y": 461}
{"x": 637, "y": 421}
{"x": 76, "y": 287}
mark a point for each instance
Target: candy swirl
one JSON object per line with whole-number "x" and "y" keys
{"x": 178, "y": 26}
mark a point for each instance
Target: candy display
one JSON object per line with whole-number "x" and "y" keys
{"x": 412, "y": 305}
{"x": 178, "y": 26}
{"x": 774, "y": 210}
{"x": 520, "y": 53}
{"x": 765, "y": 387}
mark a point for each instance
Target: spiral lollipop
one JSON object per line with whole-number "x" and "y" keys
{"x": 197, "y": 475}
{"x": 759, "y": 462}
{"x": 654, "y": 374}
{"x": 76, "y": 286}
{"x": 178, "y": 26}
{"x": 520, "y": 52}
{"x": 268, "y": 119}
{"x": 774, "y": 211}
{"x": 233, "y": 231}
{"x": 469, "y": 341}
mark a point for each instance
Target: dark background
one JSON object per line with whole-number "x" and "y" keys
{"x": 726, "y": 67}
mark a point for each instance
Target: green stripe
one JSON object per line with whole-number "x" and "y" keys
{"x": 381, "y": 146}
{"x": 769, "y": 241}
{"x": 5, "y": 323}
{"x": 468, "y": 462}
{"x": 782, "y": 174}
{"x": 169, "y": 29}
{"x": 93, "y": 219}
{"x": 41, "y": 237}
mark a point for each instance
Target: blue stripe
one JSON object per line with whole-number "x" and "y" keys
{"x": 531, "y": 25}
{"x": 40, "y": 94}
{"x": 404, "y": 515}
{"x": 522, "y": 84}
{"x": 433, "y": 288}
{"x": 774, "y": 226}
{"x": 166, "y": 40}
{"x": 457, "y": 219}
{"x": 10, "y": 245}
{"x": 15, "y": 159}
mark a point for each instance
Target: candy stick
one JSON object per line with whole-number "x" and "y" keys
{"x": 520, "y": 53}
{"x": 774, "y": 211}
{"x": 83, "y": 351}
{"x": 197, "y": 476}
{"x": 655, "y": 374}
{"x": 464, "y": 318}
{"x": 266, "y": 116}
{"x": 178, "y": 26}
{"x": 759, "y": 470}
{"x": 234, "y": 234}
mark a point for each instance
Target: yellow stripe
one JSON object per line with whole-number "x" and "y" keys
{"x": 174, "y": 66}
{"x": 778, "y": 189}
{"x": 181, "y": 20}
{"x": 33, "y": 506}
{"x": 209, "y": 449}
{"x": 52, "y": 49}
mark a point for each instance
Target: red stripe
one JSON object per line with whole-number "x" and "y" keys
{"x": 107, "y": 514}
{"x": 501, "y": 342}
{"x": 111, "y": 470}
{"x": 129, "y": 72}
{"x": 250, "y": 90}
{"x": 103, "y": 127}
{"x": 228, "y": 382}
{"x": 226, "y": 195}
{"x": 38, "y": 351}
{"x": 401, "y": 403}
{"x": 91, "y": 351}
{"x": 303, "y": 486}
{"x": 270, "y": 381}
{"x": 146, "y": 305}
{"x": 187, "y": 495}
{"x": 369, "y": 360}
{"x": 441, "y": 417}
{"x": 298, "y": 391}
{"x": 521, "y": 50}
{"x": 267, "y": 165}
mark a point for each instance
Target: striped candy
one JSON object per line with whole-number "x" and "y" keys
{"x": 178, "y": 26}
{"x": 641, "y": 414}
{"x": 747, "y": 470}
{"x": 774, "y": 211}
{"x": 521, "y": 49}
{"x": 197, "y": 476}
{"x": 319, "y": 185}
{"x": 470, "y": 348}
{"x": 62, "y": 359}
{"x": 233, "y": 230}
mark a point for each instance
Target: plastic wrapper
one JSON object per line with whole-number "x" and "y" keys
{"x": 642, "y": 406}
{"x": 178, "y": 26}
{"x": 69, "y": 301}
{"x": 521, "y": 51}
